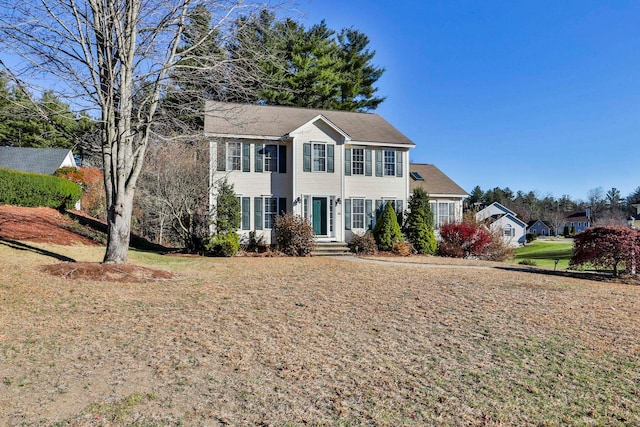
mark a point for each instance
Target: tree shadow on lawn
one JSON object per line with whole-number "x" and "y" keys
{"x": 13, "y": 244}
{"x": 600, "y": 276}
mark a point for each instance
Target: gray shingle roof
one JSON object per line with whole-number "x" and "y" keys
{"x": 435, "y": 181}
{"x": 36, "y": 160}
{"x": 274, "y": 121}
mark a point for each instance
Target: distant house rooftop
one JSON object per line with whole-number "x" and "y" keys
{"x": 36, "y": 160}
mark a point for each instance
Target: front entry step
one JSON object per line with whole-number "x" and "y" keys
{"x": 331, "y": 249}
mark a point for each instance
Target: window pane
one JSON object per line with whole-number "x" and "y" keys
{"x": 357, "y": 213}
{"x": 357, "y": 161}
{"x": 389, "y": 163}
{"x": 319, "y": 157}
{"x": 234, "y": 156}
{"x": 271, "y": 158}
{"x": 270, "y": 211}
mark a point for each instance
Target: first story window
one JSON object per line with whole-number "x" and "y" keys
{"x": 265, "y": 209}
{"x": 357, "y": 213}
{"x": 443, "y": 213}
{"x": 270, "y": 211}
{"x": 508, "y": 231}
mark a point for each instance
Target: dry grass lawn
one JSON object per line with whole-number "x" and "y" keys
{"x": 288, "y": 342}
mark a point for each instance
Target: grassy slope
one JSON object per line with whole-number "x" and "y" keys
{"x": 279, "y": 341}
{"x": 545, "y": 252}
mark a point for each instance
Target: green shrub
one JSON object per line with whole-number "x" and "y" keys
{"x": 363, "y": 244}
{"x": 387, "y": 230}
{"x": 35, "y": 190}
{"x": 294, "y": 235}
{"x": 419, "y": 224}
{"x": 253, "y": 242}
{"x": 530, "y": 237}
{"x": 528, "y": 262}
{"x": 223, "y": 245}
{"x": 566, "y": 232}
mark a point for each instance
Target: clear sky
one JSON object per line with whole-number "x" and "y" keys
{"x": 534, "y": 95}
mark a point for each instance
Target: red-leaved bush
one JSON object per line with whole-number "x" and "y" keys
{"x": 463, "y": 240}
{"x": 607, "y": 247}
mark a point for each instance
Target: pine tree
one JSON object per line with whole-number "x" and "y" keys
{"x": 387, "y": 230}
{"x": 227, "y": 208}
{"x": 419, "y": 224}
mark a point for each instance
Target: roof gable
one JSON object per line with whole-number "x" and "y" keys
{"x": 263, "y": 121}
{"x": 34, "y": 160}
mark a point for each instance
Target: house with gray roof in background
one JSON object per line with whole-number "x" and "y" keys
{"x": 36, "y": 160}
{"x": 337, "y": 169}
{"x": 445, "y": 196}
{"x": 504, "y": 221}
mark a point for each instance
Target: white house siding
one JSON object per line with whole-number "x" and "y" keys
{"x": 325, "y": 185}
{"x": 377, "y": 187}
{"x": 255, "y": 184}
{"x": 301, "y": 187}
{"x": 519, "y": 232}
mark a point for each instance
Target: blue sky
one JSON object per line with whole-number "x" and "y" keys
{"x": 533, "y": 95}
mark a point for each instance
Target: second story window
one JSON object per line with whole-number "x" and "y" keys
{"x": 234, "y": 156}
{"x": 271, "y": 158}
{"x": 319, "y": 157}
{"x": 389, "y": 163}
{"x": 357, "y": 161}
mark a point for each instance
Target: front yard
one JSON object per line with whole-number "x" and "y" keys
{"x": 283, "y": 341}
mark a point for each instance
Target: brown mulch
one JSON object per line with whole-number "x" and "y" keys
{"x": 39, "y": 225}
{"x": 46, "y": 225}
{"x": 122, "y": 273}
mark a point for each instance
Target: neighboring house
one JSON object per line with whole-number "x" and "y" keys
{"x": 36, "y": 160}
{"x": 335, "y": 168}
{"x": 445, "y": 196}
{"x": 634, "y": 220}
{"x": 505, "y": 221}
{"x": 581, "y": 220}
{"x": 539, "y": 228}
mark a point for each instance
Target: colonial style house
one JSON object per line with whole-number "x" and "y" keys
{"x": 36, "y": 160}
{"x": 337, "y": 169}
{"x": 504, "y": 221}
{"x": 580, "y": 220}
{"x": 445, "y": 196}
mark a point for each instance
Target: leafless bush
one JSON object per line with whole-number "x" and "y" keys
{"x": 294, "y": 235}
{"x": 363, "y": 244}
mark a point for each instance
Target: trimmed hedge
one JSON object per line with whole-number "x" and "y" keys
{"x": 35, "y": 190}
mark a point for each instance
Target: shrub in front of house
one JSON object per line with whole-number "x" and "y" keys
{"x": 387, "y": 230}
{"x": 463, "y": 239}
{"x": 363, "y": 244}
{"x": 402, "y": 248}
{"x": 419, "y": 224}
{"x": 294, "y": 235}
{"x": 35, "y": 190}
{"x": 223, "y": 244}
{"x": 530, "y": 237}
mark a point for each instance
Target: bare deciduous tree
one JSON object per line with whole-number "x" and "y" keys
{"x": 115, "y": 57}
{"x": 556, "y": 220}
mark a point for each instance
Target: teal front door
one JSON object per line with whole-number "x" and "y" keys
{"x": 319, "y": 215}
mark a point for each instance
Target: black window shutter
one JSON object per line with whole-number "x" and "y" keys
{"x": 399, "y": 163}
{"x": 259, "y": 150}
{"x": 246, "y": 157}
{"x": 282, "y": 159}
{"x": 347, "y": 161}
{"x": 221, "y": 156}
{"x": 347, "y": 214}
{"x": 282, "y": 205}
{"x": 368, "y": 210}
{"x": 367, "y": 160}
{"x": 257, "y": 201}
{"x": 306, "y": 147}
{"x": 330, "y": 150}
{"x": 246, "y": 212}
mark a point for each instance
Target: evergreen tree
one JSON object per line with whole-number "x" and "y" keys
{"x": 419, "y": 224}
{"x": 227, "y": 208}
{"x": 387, "y": 230}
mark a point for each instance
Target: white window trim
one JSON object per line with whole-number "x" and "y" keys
{"x": 313, "y": 156}
{"x": 353, "y": 161}
{"x": 385, "y": 163}
{"x": 228, "y": 161}
{"x": 363, "y": 214}
{"x": 276, "y": 158}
